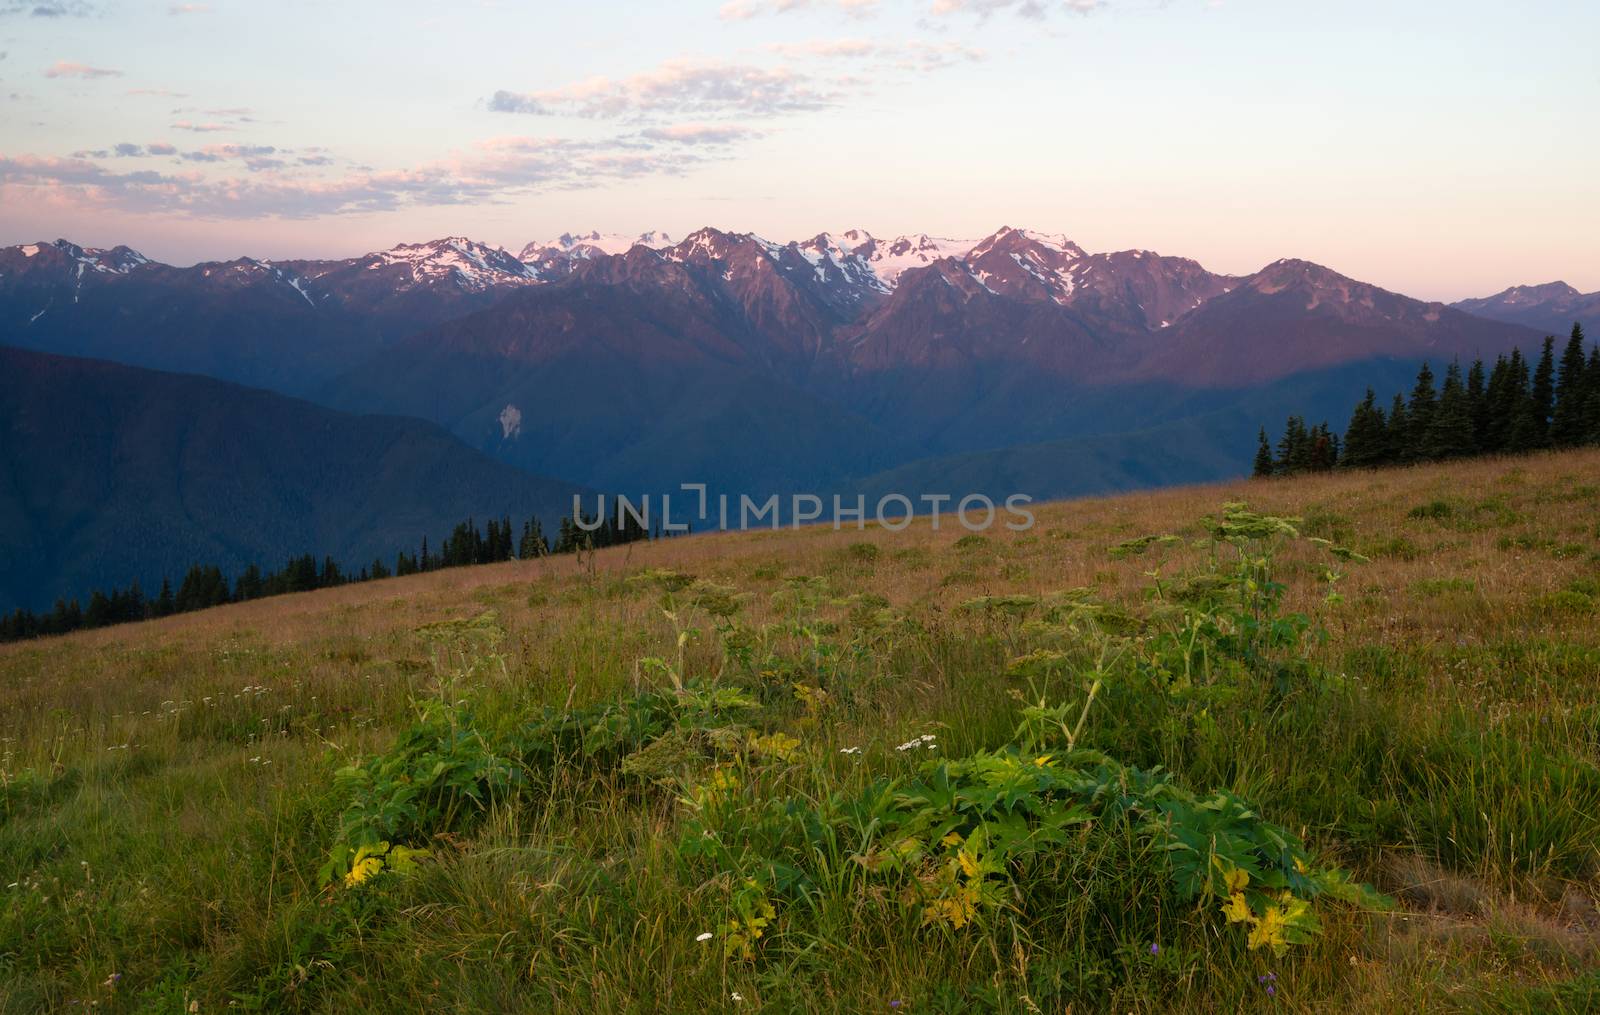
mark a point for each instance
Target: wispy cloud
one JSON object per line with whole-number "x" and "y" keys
{"x": 743, "y": 10}
{"x": 490, "y": 172}
{"x": 160, "y": 92}
{"x": 256, "y": 158}
{"x": 701, "y": 134}
{"x": 828, "y": 48}
{"x": 177, "y": 10}
{"x": 69, "y": 69}
{"x": 201, "y": 128}
{"x": 1034, "y": 9}
{"x": 48, "y": 8}
{"x": 129, "y": 150}
{"x": 916, "y": 55}
{"x": 678, "y": 87}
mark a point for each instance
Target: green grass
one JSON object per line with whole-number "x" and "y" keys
{"x": 606, "y": 759}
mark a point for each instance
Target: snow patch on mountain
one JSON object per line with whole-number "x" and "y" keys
{"x": 889, "y": 258}
{"x": 835, "y": 259}
{"x": 472, "y": 266}
{"x": 595, "y": 244}
{"x": 510, "y": 422}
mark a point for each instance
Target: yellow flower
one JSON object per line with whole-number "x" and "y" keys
{"x": 1043, "y": 760}
{"x": 776, "y": 745}
{"x": 1300, "y": 866}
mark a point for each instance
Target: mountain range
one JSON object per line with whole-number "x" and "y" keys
{"x": 1553, "y": 307}
{"x": 112, "y": 474}
{"x": 1018, "y": 362}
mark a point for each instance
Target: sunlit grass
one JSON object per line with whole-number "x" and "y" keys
{"x": 170, "y": 794}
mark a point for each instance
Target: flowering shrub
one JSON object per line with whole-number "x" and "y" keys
{"x": 964, "y": 838}
{"x": 438, "y": 777}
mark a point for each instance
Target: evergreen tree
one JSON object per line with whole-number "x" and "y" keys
{"x": 1365, "y": 440}
{"x": 1450, "y": 431}
{"x": 1519, "y": 413}
{"x": 1322, "y": 452}
{"x": 165, "y": 602}
{"x": 504, "y": 550}
{"x": 1294, "y": 449}
{"x": 203, "y": 587}
{"x": 1263, "y": 464}
{"x": 1592, "y": 413}
{"x": 99, "y": 612}
{"x": 1478, "y": 405}
{"x": 1542, "y": 396}
{"x": 136, "y": 603}
{"x": 1496, "y": 400}
{"x": 1398, "y": 432}
{"x": 331, "y": 575}
{"x": 1419, "y": 415}
{"x": 249, "y": 584}
{"x": 533, "y": 543}
{"x": 299, "y": 574}
{"x": 65, "y": 617}
{"x": 1571, "y": 395}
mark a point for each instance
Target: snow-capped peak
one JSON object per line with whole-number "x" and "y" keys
{"x": 838, "y": 259}
{"x": 718, "y": 245}
{"x": 114, "y": 261}
{"x": 471, "y": 265}
{"x": 1519, "y": 294}
{"x": 1021, "y": 262}
{"x": 595, "y": 244}
{"x": 1017, "y": 240}
{"x": 891, "y": 257}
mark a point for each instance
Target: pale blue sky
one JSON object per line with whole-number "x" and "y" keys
{"x": 1442, "y": 149}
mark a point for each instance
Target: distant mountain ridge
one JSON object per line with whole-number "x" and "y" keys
{"x": 1553, "y": 307}
{"x": 111, "y": 474}
{"x": 706, "y": 359}
{"x": 633, "y": 362}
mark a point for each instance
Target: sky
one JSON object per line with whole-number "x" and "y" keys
{"x": 1441, "y": 148}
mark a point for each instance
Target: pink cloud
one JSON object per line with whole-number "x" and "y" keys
{"x": 69, "y": 69}
{"x": 677, "y": 86}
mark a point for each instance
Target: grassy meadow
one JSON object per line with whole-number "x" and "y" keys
{"x": 1154, "y": 754}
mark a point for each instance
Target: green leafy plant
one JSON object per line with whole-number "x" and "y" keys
{"x": 440, "y": 776}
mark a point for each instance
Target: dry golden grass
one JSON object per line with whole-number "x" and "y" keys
{"x": 1554, "y": 498}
